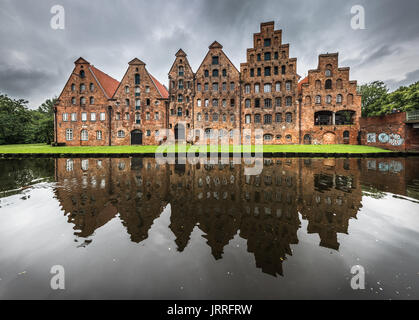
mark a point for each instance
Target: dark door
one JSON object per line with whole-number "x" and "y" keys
{"x": 136, "y": 137}
{"x": 179, "y": 132}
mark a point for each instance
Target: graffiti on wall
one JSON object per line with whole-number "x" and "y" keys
{"x": 394, "y": 139}
{"x": 393, "y": 166}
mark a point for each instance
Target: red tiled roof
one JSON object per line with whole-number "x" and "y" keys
{"x": 108, "y": 83}
{"x": 305, "y": 80}
{"x": 162, "y": 89}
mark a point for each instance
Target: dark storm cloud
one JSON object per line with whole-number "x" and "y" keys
{"x": 37, "y": 60}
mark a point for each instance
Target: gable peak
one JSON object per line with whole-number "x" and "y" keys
{"x": 215, "y": 45}
{"x": 136, "y": 61}
{"x": 180, "y": 53}
{"x": 81, "y": 61}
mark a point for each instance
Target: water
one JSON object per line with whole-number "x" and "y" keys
{"x": 128, "y": 228}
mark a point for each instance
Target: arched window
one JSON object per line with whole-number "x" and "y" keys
{"x": 247, "y": 103}
{"x": 268, "y": 103}
{"x": 179, "y": 112}
{"x": 232, "y": 118}
{"x": 307, "y": 139}
{"x": 82, "y": 74}
{"x": 206, "y": 117}
{"x": 180, "y": 71}
{"x": 92, "y": 100}
{"x": 98, "y": 135}
{"x": 206, "y": 73}
{"x": 257, "y": 103}
{"x": 215, "y": 73}
{"x": 199, "y": 116}
{"x": 283, "y": 70}
{"x": 137, "y": 118}
{"x": 73, "y": 100}
{"x": 137, "y": 78}
{"x": 137, "y": 91}
{"x": 288, "y": 101}
{"x": 137, "y": 104}
{"x": 224, "y": 73}
{"x": 224, "y": 118}
{"x": 267, "y": 119}
{"x": 73, "y": 87}
{"x": 318, "y": 99}
{"x": 267, "y": 137}
{"x": 121, "y": 134}
{"x": 127, "y": 102}
{"x": 206, "y": 103}
{"x": 215, "y": 102}
{"x": 288, "y": 137}
{"x": 278, "y": 117}
{"x": 257, "y": 88}
{"x": 248, "y": 118}
{"x": 126, "y": 89}
{"x": 91, "y": 87}
{"x": 84, "y": 135}
{"x": 147, "y": 102}
{"x": 328, "y": 84}
{"x": 82, "y": 87}
{"x": 288, "y": 85}
{"x": 267, "y": 87}
{"x": 180, "y": 84}
{"x": 288, "y": 117}
{"x": 339, "y": 99}
{"x": 308, "y": 100}
{"x": 278, "y": 101}
{"x": 198, "y": 102}
{"x": 278, "y": 86}
{"x": 247, "y": 88}
{"x": 82, "y": 100}
{"x": 179, "y": 98}
{"x": 215, "y": 117}
{"x": 328, "y": 99}
{"x": 346, "y": 134}
{"x": 328, "y": 73}
{"x": 257, "y": 118}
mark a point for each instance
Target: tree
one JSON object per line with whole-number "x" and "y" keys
{"x": 42, "y": 126}
{"x": 372, "y": 95}
{"x": 14, "y": 120}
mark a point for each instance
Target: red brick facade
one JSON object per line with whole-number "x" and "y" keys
{"x": 391, "y": 131}
{"x": 324, "y": 108}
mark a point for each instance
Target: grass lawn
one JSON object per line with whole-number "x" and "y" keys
{"x": 43, "y": 148}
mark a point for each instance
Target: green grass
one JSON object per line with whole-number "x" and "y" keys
{"x": 42, "y": 148}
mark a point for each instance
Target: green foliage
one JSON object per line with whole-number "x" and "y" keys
{"x": 19, "y": 124}
{"x": 376, "y": 100}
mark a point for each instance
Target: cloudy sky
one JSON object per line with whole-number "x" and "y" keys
{"x": 36, "y": 60}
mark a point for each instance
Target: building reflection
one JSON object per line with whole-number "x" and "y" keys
{"x": 265, "y": 210}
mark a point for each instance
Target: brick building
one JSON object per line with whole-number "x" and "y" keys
{"x": 330, "y": 104}
{"x": 324, "y": 108}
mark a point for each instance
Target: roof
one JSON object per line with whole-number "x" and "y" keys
{"x": 161, "y": 88}
{"x": 305, "y": 80}
{"x": 108, "y": 83}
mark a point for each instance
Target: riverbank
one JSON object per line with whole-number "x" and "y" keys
{"x": 43, "y": 148}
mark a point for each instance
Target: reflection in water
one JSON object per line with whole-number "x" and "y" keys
{"x": 221, "y": 201}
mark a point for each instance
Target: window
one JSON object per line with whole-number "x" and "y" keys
{"x": 206, "y": 103}
{"x": 278, "y": 86}
{"x": 267, "y": 71}
{"x": 267, "y": 42}
{"x": 248, "y": 118}
{"x": 126, "y": 89}
{"x": 215, "y": 73}
{"x": 92, "y": 100}
{"x": 267, "y": 119}
{"x": 198, "y": 102}
{"x": 147, "y": 116}
{"x": 339, "y": 84}
{"x": 180, "y": 71}
{"x": 137, "y": 78}
{"x": 198, "y": 87}
{"x": 259, "y": 72}
{"x": 73, "y": 87}
{"x": 84, "y": 135}
{"x": 231, "y": 86}
{"x": 206, "y": 117}
{"x": 283, "y": 70}
{"x": 91, "y": 87}
{"x": 179, "y": 98}
{"x": 83, "y": 116}
{"x": 215, "y": 60}
{"x": 278, "y": 102}
{"x": 224, "y": 73}
{"x": 147, "y": 89}
{"x": 288, "y": 117}
{"x": 276, "y": 72}
{"x": 206, "y": 87}
{"x": 215, "y": 102}
{"x": 215, "y": 117}
{"x": 232, "y": 102}
{"x": 328, "y": 99}
{"x": 267, "y": 87}
{"x": 137, "y": 118}
{"x": 232, "y": 118}
{"x": 328, "y": 84}
{"x": 102, "y": 116}
{"x": 179, "y": 112}
{"x": 257, "y": 103}
{"x": 215, "y": 86}
{"x": 65, "y": 116}
{"x": 69, "y": 134}
{"x": 126, "y": 116}
{"x": 257, "y": 87}
{"x": 82, "y": 74}
{"x": 288, "y": 85}
{"x": 74, "y": 116}
{"x": 339, "y": 99}
{"x": 258, "y": 57}
{"x": 288, "y": 137}
{"x": 267, "y": 56}
{"x": 318, "y": 99}
{"x": 117, "y": 116}
{"x": 257, "y": 118}
{"x": 73, "y": 100}
{"x": 276, "y": 56}
{"x": 206, "y": 73}
{"x": 247, "y": 103}
{"x": 98, "y": 135}
{"x": 82, "y": 100}
{"x": 127, "y": 102}
{"x": 93, "y": 116}
{"x": 224, "y": 103}
{"x": 247, "y": 88}
{"x": 318, "y": 84}
{"x": 268, "y": 103}
{"x": 308, "y": 100}
{"x": 137, "y": 104}
{"x": 199, "y": 117}
{"x": 288, "y": 101}
{"x": 224, "y": 118}
{"x": 278, "y": 117}
{"x": 121, "y": 134}
{"x": 328, "y": 73}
